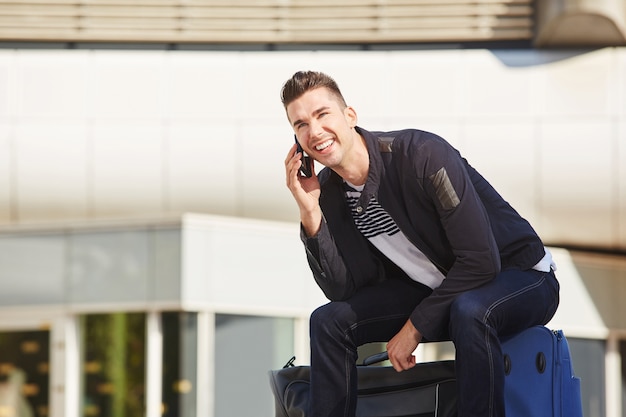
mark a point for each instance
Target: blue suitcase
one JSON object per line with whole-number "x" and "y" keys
{"x": 540, "y": 380}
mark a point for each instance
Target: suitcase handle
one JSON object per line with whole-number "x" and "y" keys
{"x": 375, "y": 358}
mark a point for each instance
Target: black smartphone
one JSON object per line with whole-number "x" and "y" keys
{"x": 306, "y": 169}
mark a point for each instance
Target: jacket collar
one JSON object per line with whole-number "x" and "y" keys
{"x": 375, "y": 146}
{"x": 376, "y": 168}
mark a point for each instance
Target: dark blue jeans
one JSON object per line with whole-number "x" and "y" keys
{"x": 512, "y": 302}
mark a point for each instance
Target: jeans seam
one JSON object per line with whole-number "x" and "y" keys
{"x": 347, "y": 371}
{"x": 491, "y": 372}
{"x": 346, "y": 362}
{"x": 485, "y": 320}
{"x": 510, "y": 296}
{"x": 373, "y": 320}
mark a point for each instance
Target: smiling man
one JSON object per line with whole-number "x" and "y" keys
{"x": 409, "y": 243}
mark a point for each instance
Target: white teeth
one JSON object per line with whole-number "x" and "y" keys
{"x": 324, "y": 145}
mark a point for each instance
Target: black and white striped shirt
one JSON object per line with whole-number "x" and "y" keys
{"x": 383, "y": 232}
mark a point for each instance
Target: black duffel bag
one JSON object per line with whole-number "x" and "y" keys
{"x": 426, "y": 390}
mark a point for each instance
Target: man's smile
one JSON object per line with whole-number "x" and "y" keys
{"x": 324, "y": 145}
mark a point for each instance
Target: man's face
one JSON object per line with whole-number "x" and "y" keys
{"x": 323, "y": 127}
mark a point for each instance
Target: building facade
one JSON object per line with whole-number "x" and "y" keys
{"x": 150, "y": 263}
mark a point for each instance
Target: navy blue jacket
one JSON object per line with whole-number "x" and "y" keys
{"x": 442, "y": 205}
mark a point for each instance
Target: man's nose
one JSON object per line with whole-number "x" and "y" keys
{"x": 317, "y": 129}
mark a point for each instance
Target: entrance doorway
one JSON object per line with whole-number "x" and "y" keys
{"x": 24, "y": 373}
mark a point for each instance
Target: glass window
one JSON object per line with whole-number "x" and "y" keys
{"x": 165, "y": 261}
{"x": 180, "y": 341}
{"x": 246, "y": 348}
{"x": 622, "y": 352}
{"x": 113, "y": 364}
{"x": 108, "y": 266}
{"x": 588, "y": 361}
{"x": 24, "y": 373}
{"x": 32, "y": 269}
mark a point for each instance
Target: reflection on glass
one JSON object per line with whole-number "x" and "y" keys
{"x": 588, "y": 358}
{"x": 24, "y": 377}
{"x": 622, "y": 351}
{"x": 180, "y": 335}
{"x": 245, "y": 348}
{"x": 113, "y": 366}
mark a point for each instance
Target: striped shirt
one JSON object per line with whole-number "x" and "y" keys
{"x": 382, "y": 231}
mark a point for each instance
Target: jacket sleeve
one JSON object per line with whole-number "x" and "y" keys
{"x": 337, "y": 262}
{"x": 328, "y": 268}
{"x": 466, "y": 225}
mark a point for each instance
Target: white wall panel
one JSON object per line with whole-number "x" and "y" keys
{"x": 204, "y": 167}
{"x": 205, "y": 130}
{"x": 128, "y": 167}
{"x": 51, "y": 168}
{"x": 6, "y": 174}
{"x": 127, "y": 84}
{"x": 262, "y": 169}
{"x": 52, "y": 84}
{"x": 620, "y": 81}
{"x": 578, "y": 86}
{"x": 504, "y": 153}
{"x": 578, "y": 176}
{"x": 6, "y": 67}
{"x": 422, "y": 85}
{"x": 491, "y": 90}
{"x": 209, "y": 86}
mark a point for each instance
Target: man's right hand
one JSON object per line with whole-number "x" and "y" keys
{"x": 306, "y": 192}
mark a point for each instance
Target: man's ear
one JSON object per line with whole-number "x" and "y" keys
{"x": 350, "y": 115}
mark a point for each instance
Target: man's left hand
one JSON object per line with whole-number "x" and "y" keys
{"x": 401, "y": 347}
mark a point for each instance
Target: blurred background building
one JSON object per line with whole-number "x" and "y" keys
{"x": 149, "y": 255}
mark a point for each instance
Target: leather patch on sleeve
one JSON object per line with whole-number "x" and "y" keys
{"x": 445, "y": 191}
{"x": 385, "y": 144}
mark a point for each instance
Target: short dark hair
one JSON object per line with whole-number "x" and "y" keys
{"x": 303, "y": 81}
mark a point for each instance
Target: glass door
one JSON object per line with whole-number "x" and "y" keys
{"x": 24, "y": 373}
